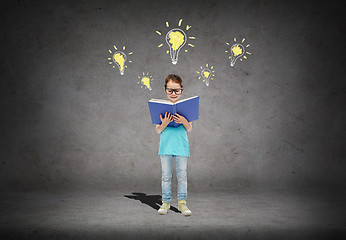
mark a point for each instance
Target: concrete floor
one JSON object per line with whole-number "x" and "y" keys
{"x": 125, "y": 214}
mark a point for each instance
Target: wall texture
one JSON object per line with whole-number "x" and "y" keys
{"x": 69, "y": 120}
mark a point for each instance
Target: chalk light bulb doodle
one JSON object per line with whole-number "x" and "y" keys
{"x": 119, "y": 58}
{"x": 237, "y": 52}
{"x": 146, "y": 80}
{"x": 206, "y": 74}
{"x": 176, "y": 39}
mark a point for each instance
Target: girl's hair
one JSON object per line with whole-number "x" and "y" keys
{"x": 174, "y": 78}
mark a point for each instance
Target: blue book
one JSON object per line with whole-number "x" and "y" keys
{"x": 189, "y": 108}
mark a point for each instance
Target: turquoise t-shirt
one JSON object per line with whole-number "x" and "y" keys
{"x": 173, "y": 141}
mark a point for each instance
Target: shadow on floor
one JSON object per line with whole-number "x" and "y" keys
{"x": 153, "y": 201}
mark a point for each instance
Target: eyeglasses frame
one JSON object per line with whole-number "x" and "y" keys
{"x": 174, "y": 91}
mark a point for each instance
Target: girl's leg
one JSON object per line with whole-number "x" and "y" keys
{"x": 181, "y": 168}
{"x": 166, "y": 177}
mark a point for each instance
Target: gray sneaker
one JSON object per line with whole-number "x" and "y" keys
{"x": 164, "y": 208}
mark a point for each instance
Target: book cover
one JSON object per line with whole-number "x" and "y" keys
{"x": 189, "y": 108}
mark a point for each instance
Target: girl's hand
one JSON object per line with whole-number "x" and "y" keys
{"x": 180, "y": 119}
{"x": 168, "y": 118}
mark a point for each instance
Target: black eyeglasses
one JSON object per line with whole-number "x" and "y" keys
{"x": 176, "y": 91}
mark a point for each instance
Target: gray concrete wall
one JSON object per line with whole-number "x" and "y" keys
{"x": 69, "y": 120}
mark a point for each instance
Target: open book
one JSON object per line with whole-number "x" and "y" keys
{"x": 189, "y": 108}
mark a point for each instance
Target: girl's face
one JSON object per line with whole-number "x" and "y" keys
{"x": 173, "y": 96}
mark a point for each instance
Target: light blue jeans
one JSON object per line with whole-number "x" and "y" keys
{"x": 166, "y": 176}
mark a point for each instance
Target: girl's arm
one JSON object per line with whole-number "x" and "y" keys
{"x": 188, "y": 126}
{"x": 160, "y": 128}
{"x": 181, "y": 119}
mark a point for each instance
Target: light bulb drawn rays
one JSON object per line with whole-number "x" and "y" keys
{"x": 237, "y": 51}
{"x": 176, "y": 39}
{"x": 146, "y": 81}
{"x": 206, "y": 74}
{"x": 119, "y": 58}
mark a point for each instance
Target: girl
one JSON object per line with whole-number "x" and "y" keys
{"x": 174, "y": 144}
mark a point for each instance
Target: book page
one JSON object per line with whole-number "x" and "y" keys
{"x": 161, "y": 101}
{"x": 186, "y": 99}
{"x": 169, "y": 102}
